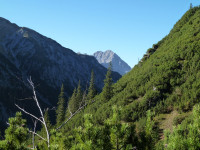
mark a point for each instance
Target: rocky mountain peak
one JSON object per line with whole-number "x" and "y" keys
{"x": 104, "y": 58}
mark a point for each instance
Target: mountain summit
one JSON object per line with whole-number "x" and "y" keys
{"x": 118, "y": 65}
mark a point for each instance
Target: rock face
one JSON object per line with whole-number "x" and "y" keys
{"x": 24, "y": 53}
{"x": 118, "y": 65}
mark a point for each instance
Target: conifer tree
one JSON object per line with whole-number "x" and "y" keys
{"x": 79, "y": 97}
{"x": 91, "y": 90}
{"x": 150, "y": 134}
{"x": 89, "y": 136}
{"x": 76, "y": 99}
{"x": 120, "y": 133}
{"x": 15, "y": 134}
{"x": 71, "y": 105}
{"x": 60, "y": 111}
{"x": 108, "y": 88}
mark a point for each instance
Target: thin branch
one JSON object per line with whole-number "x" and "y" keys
{"x": 33, "y": 139}
{"x": 29, "y": 113}
{"x": 30, "y": 98}
{"x": 37, "y": 135}
{"x": 34, "y": 97}
{"x": 80, "y": 108}
{"x": 36, "y": 100}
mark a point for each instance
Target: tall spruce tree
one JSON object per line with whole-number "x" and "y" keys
{"x": 79, "y": 97}
{"x": 107, "y": 91}
{"x": 60, "y": 111}
{"x": 91, "y": 90}
{"x": 76, "y": 99}
{"x": 71, "y": 105}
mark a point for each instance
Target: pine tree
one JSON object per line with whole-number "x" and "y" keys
{"x": 60, "y": 111}
{"x": 16, "y": 134}
{"x": 76, "y": 99}
{"x": 79, "y": 97}
{"x": 87, "y": 137}
{"x": 71, "y": 105}
{"x": 121, "y": 134}
{"x": 150, "y": 134}
{"x": 92, "y": 90}
{"x": 108, "y": 88}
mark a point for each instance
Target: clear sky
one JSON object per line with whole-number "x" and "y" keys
{"x": 128, "y": 27}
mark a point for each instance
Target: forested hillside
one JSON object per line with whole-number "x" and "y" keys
{"x": 151, "y": 107}
{"x": 24, "y": 53}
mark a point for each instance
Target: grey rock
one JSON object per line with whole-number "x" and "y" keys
{"x": 118, "y": 65}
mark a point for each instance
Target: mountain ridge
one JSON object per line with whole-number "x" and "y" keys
{"x": 25, "y": 52}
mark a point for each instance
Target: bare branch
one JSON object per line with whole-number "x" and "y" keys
{"x": 42, "y": 115}
{"x": 33, "y": 139}
{"x": 80, "y": 108}
{"x": 29, "y": 113}
{"x": 37, "y": 135}
{"x": 30, "y": 98}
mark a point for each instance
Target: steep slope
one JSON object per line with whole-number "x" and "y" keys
{"x": 108, "y": 56}
{"x": 166, "y": 79}
{"x": 25, "y": 53}
{"x": 167, "y": 75}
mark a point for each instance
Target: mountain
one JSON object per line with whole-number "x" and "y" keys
{"x": 25, "y": 53}
{"x": 165, "y": 81}
{"x": 108, "y": 56}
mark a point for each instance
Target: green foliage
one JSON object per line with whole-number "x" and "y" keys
{"x": 120, "y": 133}
{"x": 57, "y": 140}
{"x": 150, "y": 133}
{"x": 186, "y": 135}
{"x": 79, "y": 96}
{"x": 88, "y": 137}
{"x": 76, "y": 99}
{"x": 169, "y": 79}
{"x": 16, "y": 134}
{"x": 107, "y": 91}
{"x": 71, "y": 103}
{"x": 91, "y": 91}
{"x": 60, "y": 111}
{"x": 113, "y": 134}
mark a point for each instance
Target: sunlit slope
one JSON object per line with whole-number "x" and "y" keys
{"x": 166, "y": 78}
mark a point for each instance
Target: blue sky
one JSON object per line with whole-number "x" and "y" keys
{"x": 128, "y": 27}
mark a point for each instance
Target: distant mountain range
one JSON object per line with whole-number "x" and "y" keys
{"x": 108, "y": 56}
{"x": 24, "y": 53}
